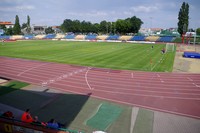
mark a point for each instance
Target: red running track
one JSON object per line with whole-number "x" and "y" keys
{"x": 177, "y": 93}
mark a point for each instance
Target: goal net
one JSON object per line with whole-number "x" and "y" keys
{"x": 169, "y": 47}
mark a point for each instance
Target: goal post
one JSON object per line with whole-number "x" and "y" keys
{"x": 170, "y": 47}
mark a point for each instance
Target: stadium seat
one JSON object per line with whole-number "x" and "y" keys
{"x": 5, "y": 37}
{"x": 113, "y": 37}
{"x": 28, "y": 36}
{"x": 59, "y": 36}
{"x": 125, "y": 38}
{"x": 137, "y": 38}
{"x": 80, "y": 37}
{"x": 40, "y": 36}
{"x": 70, "y": 36}
{"x": 166, "y": 39}
{"x": 102, "y": 37}
{"x": 91, "y": 37}
{"x": 152, "y": 38}
{"x": 17, "y": 37}
{"x": 50, "y": 36}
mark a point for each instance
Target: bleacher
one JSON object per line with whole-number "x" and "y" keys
{"x": 59, "y": 36}
{"x": 17, "y": 37}
{"x": 166, "y": 39}
{"x": 70, "y": 36}
{"x": 113, "y": 37}
{"x": 50, "y": 36}
{"x": 138, "y": 38}
{"x": 28, "y": 36}
{"x": 5, "y": 37}
{"x": 102, "y": 37}
{"x": 91, "y": 37}
{"x": 80, "y": 37}
{"x": 125, "y": 38}
{"x": 152, "y": 38}
{"x": 40, "y": 36}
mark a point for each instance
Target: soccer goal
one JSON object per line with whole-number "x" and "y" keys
{"x": 170, "y": 47}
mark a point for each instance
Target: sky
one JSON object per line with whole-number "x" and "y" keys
{"x": 153, "y": 13}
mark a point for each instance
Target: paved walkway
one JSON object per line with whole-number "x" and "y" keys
{"x": 169, "y": 123}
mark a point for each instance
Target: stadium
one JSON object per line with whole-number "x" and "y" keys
{"x": 100, "y": 83}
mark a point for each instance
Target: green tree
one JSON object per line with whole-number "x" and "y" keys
{"x": 9, "y": 31}
{"x": 103, "y": 27}
{"x": 28, "y": 25}
{"x": 49, "y": 30}
{"x": 135, "y": 24}
{"x": 198, "y": 31}
{"x": 183, "y": 18}
{"x": 3, "y": 27}
{"x": 17, "y": 28}
{"x": 24, "y": 25}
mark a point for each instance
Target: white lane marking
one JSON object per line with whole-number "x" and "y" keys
{"x": 189, "y": 79}
{"x": 131, "y": 75}
{"x": 161, "y": 80}
{"x": 86, "y": 78}
{"x": 31, "y": 69}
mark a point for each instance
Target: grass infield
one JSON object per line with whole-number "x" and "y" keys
{"x": 96, "y": 54}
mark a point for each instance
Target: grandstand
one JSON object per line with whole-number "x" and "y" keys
{"x": 138, "y": 38}
{"x": 125, "y": 38}
{"x": 59, "y": 36}
{"x": 17, "y": 37}
{"x": 113, "y": 37}
{"x": 91, "y": 37}
{"x": 166, "y": 39}
{"x": 40, "y": 36}
{"x": 80, "y": 37}
{"x": 28, "y": 36}
{"x": 152, "y": 38}
{"x": 102, "y": 37}
{"x": 70, "y": 36}
{"x": 50, "y": 36}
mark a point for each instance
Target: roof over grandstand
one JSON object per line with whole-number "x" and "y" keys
{"x": 154, "y": 13}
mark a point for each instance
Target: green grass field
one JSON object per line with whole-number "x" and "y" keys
{"x": 96, "y": 54}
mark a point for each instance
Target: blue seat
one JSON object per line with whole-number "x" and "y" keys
{"x": 113, "y": 37}
{"x": 91, "y": 37}
{"x": 50, "y": 36}
{"x": 138, "y": 38}
{"x": 70, "y": 36}
{"x": 166, "y": 39}
{"x": 28, "y": 36}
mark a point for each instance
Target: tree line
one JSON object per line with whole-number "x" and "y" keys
{"x": 121, "y": 26}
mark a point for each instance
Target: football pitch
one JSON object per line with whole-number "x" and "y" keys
{"x": 126, "y": 56}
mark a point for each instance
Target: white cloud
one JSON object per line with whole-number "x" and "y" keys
{"x": 16, "y": 8}
{"x": 145, "y": 9}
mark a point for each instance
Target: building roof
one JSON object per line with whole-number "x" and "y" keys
{"x": 5, "y": 23}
